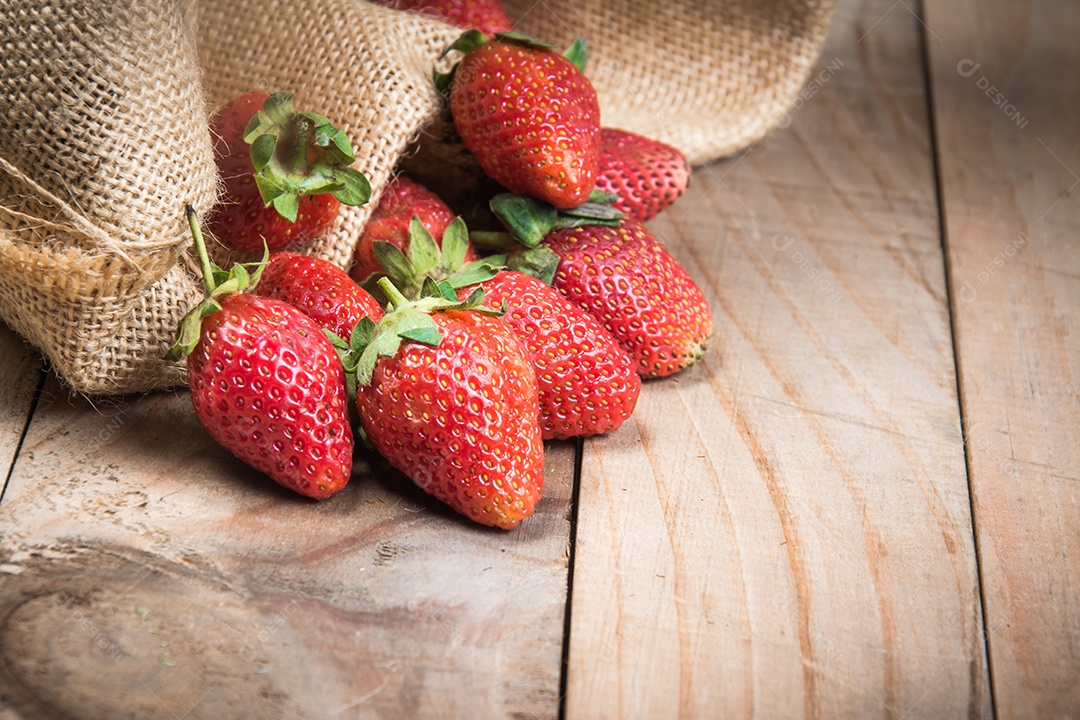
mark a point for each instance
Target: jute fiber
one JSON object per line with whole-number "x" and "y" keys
{"x": 103, "y": 133}
{"x": 103, "y": 140}
{"x": 707, "y": 76}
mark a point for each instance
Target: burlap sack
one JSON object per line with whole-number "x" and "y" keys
{"x": 103, "y": 133}
{"x": 707, "y": 76}
{"x": 102, "y": 140}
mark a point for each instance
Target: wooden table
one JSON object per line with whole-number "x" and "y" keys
{"x": 863, "y": 503}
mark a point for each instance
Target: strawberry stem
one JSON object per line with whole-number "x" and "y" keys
{"x": 392, "y": 293}
{"x": 217, "y": 283}
{"x": 200, "y": 247}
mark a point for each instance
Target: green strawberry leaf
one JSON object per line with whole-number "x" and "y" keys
{"x": 355, "y": 190}
{"x": 362, "y": 334}
{"x": 426, "y": 335}
{"x": 190, "y": 329}
{"x": 340, "y": 344}
{"x": 455, "y": 244}
{"x": 528, "y": 220}
{"x": 423, "y": 251}
{"x": 443, "y": 81}
{"x": 348, "y": 358}
{"x": 569, "y": 221}
{"x": 600, "y": 196}
{"x": 262, "y": 150}
{"x": 440, "y": 289}
{"x": 595, "y": 211}
{"x": 466, "y": 41}
{"x": 276, "y": 110}
{"x": 269, "y": 185}
{"x": 527, "y": 40}
{"x": 474, "y": 300}
{"x": 394, "y": 262}
{"x": 218, "y": 277}
{"x": 334, "y": 140}
{"x": 539, "y": 262}
{"x": 577, "y": 53}
{"x": 477, "y": 271}
{"x": 287, "y": 205}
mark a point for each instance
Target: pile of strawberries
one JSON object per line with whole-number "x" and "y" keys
{"x": 454, "y": 355}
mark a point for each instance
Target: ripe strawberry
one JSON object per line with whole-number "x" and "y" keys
{"x": 401, "y": 201}
{"x": 448, "y": 396}
{"x": 530, "y": 116}
{"x": 646, "y": 174}
{"x": 629, "y": 281}
{"x": 322, "y": 290}
{"x": 266, "y": 383}
{"x": 487, "y": 16}
{"x": 287, "y": 187}
{"x": 588, "y": 384}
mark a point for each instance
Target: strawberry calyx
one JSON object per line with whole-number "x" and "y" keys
{"x": 528, "y": 221}
{"x": 472, "y": 39}
{"x": 301, "y": 153}
{"x": 577, "y": 53}
{"x": 403, "y": 320}
{"x": 424, "y": 260}
{"x": 217, "y": 283}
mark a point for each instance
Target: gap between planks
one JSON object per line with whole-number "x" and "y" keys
{"x": 950, "y": 302}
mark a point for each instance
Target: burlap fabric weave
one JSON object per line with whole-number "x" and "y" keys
{"x": 103, "y": 133}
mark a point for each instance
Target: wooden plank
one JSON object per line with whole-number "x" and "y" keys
{"x": 785, "y": 530}
{"x": 20, "y": 373}
{"x": 145, "y": 573}
{"x": 1007, "y": 97}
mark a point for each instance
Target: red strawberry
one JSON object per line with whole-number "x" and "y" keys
{"x": 322, "y": 290}
{"x": 646, "y": 174}
{"x": 487, "y": 16}
{"x": 448, "y": 396}
{"x": 587, "y": 383}
{"x": 401, "y": 201}
{"x": 530, "y": 116}
{"x": 285, "y": 173}
{"x": 266, "y": 383}
{"x": 629, "y": 281}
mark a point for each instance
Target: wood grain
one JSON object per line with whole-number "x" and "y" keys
{"x": 1006, "y": 101}
{"x": 145, "y": 573}
{"x": 785, "y": 530}
{"x": 20, "y": 372}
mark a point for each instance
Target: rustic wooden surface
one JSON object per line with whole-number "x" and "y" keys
{"x": 1007, "y": 97}
{"x": 879, "y": 449}
{"x": 785, "y": 531}
{"x": 157, "y": 575}
{"x": 20, "y": 375}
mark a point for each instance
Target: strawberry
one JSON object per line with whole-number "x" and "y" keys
{"x": 266, "y": 383}
{"x": 447, "y": 395}
{"x": 646, "y": 174}
{"x": 587, "y": 384}
{"x": 322, "y": 290}
{"x": 487, "y": 16}
{"x": 629, "y": 281}
{"x": 287, "y": 187}
{"x": 400, "y": 202}
{"x": 529, "y": 114}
